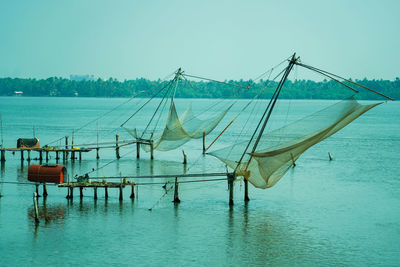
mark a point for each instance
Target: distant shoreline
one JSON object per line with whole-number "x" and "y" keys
{"x": 143, "y": 88}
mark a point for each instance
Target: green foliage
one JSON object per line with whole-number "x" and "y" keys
{"x": 299, "y": 89}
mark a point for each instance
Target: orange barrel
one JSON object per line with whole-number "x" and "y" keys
{"x": 47, "y": 173}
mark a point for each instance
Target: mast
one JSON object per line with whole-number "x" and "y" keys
{"x": 267, "y": 112}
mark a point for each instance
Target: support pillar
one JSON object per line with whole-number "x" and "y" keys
{"x": 330, "y": 156}
{"x": 106, "y": 192}
{"x": 45, "y": 190}
{"x": 81, "y": 192}
{"x": 3, "y": 155}
{"x": 35, "y": 204}
{"x": 97, "y": 153}
{"x": 151, "y": 149}
{"x": 47, "y": 156}
{"x": 37, "y": 190}
{"x": 71, "y": 195}
{"x": 117, "y": 146}
{"x": 22, "y": 155}
{"x": 132, "y": 196}
{"x": 231, "y": 178}
{"x": 184, "y": 157}
{"x": 29, "y": 156}
{"x": 66, "y": 147}
{"x": 176, "y": 191}
{"x": 80, "y": 155}
{"x": 246, "y": 190}
{"x": 72, "y": 155}
{"x": 121, "y": 195}
{"x": 40, "y": 156}
{"x": 57, "y": 156}
{"x": 204, "y": 142}
{"x": 95, "y": 193}
{"x": 137, "y": 149}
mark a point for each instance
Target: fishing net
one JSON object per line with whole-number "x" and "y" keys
{"x": 179, "y": 130}
{"x": 278, "y": 150}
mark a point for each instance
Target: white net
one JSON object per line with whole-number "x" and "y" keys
{"x": 278, "y": 150}
{"x": 179, "y": 130}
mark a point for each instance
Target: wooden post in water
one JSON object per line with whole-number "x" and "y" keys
{"x": 330, "y": 156}
{"x": 176, "y": 191}
{"x": 35, "y": 205}
{"x": 29, "y": 155}
{"x": 66, "y": 147}
{"x": 121, "y": 196}
{"x": 95, "y": 192}
{"x": 151, "y": 149}
{"x": 45, "y": 190}
{"x": 246, "y": 190}
{"x": 231, "y": 178}
{"x": 117, "y": 146}
{"x": 80, "y": 155}
{"x": 204, "y": 142}
{"x": 132, "y": 196}
{"x": 81, "y": 192}
{"x": 137, "y": 149}
{"x": 184, "y": 157}
{"x": 72, "y": 155}
{"x": 97, "y": 153}
{"x": 71, "y": 195}
{"x": 3, "y": 155}
{"x": 106, "y": 192}
{"x": 22, "y": 155}
{"x": 40, "y": 156}
{"x": 37, "y": 190}
{"x": 57, "y": 156}
{"x": 47, "y": 156}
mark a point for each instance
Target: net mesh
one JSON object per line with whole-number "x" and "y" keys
{"x": 179, "y": 130}
{"x": 279, "y": 149}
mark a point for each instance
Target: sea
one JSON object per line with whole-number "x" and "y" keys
{"x": 339, "y": 212}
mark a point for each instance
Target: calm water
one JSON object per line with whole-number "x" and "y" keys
{"x": 343, "y": 212}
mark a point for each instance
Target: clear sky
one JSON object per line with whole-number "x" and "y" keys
{"x": 216, "y": 39}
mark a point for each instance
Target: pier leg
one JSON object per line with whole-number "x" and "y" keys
{"x": 137, "y": 149}
{"x": 3, "y": 155}
{"x": 45, "y": 190}
{"x": 68, "y": 195}
{"x": 80, "y": 156}
{"x": 47, "y": 156}
{"x": 95, "y": 192}
{"x": 97, "y": 153}
{"x": 22, "y": 155}
{"x": 40, "y": 156}
{"x": 132, "y": 191}
{"x": 29, "y": 156}
{"x": 81, "y": 192}
{"x": 230, "y": 187}
{"x": 121, "y": 196}
{"x": 176, "y": 191}
{"x": 117, "y": 146}
{"x": 330, "y": 156}
{"x": 71, "y": 195}
{"x": 246, "y": 190}
{"x": 106, "y": 192}
{"x": 37, "y": 190}
{"x": 35, "y": 204}
{"x": 184, "y": 157}
{"x": 57, "y": 156}
{"x": 204, "y": 142}
{"x": 73, "y": 155}
{"x": 151, "y": 149}
{"x": 66, "y": 147}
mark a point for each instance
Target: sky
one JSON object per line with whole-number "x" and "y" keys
{"x": 212, "y": 38}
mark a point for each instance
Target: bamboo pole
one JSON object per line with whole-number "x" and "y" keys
{"x": 204, "y": 142}
{"x": 132, "y": 196}
{"x": 137, "y": 149}
{"x": 246, "y": 190}
{"x": 230, "y": 187}
{"x": 176, "y": 191}
{"x": 117, "y": 146}
{"x": 45, "y": 190}
{"x": 3, "y": 155}
{"x": 35, "y": 204}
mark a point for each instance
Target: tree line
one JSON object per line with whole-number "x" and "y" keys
{"x": 298, "y": 89}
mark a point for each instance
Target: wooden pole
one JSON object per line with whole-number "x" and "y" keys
{"x": 66, "y": 147}
{"x": 151, "y": 149}
{"x": 57, "y": 156}
{"x": 80, "y": 155}
{"x": 246, "y": 190}
{"x": 71, "y": 195}
{"x": 330, "y": 156}
{"x": 29, "y": 155}
{"x": 40, "y": 156}
{"x": 37, "y": 190}
{"x": 176, "y": 191}
{"x": 45, "y": 190}
{"x": 22, "y": 155}
{"x": 72, "y": 155}
{"x": 68, "y": 194}
{"x": 231, "y": 178}
{"x": 137, "y": 149}
{"x": 95, "y": 192}
{"x": 3, "y": 155}
{"x": 97, "y": 153}
{"x": 184, "y": 157}
{"x": 106, "y": 192}
{"x": 35, "y": 204}
{"x": 81, "y": 192}
{"x": 121, "y": 196}
{"x": 132, "y": 191}
{"x": 117, "y": 146}
{"x": 204, "y": 142}
{"x": 47, "y": 156}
